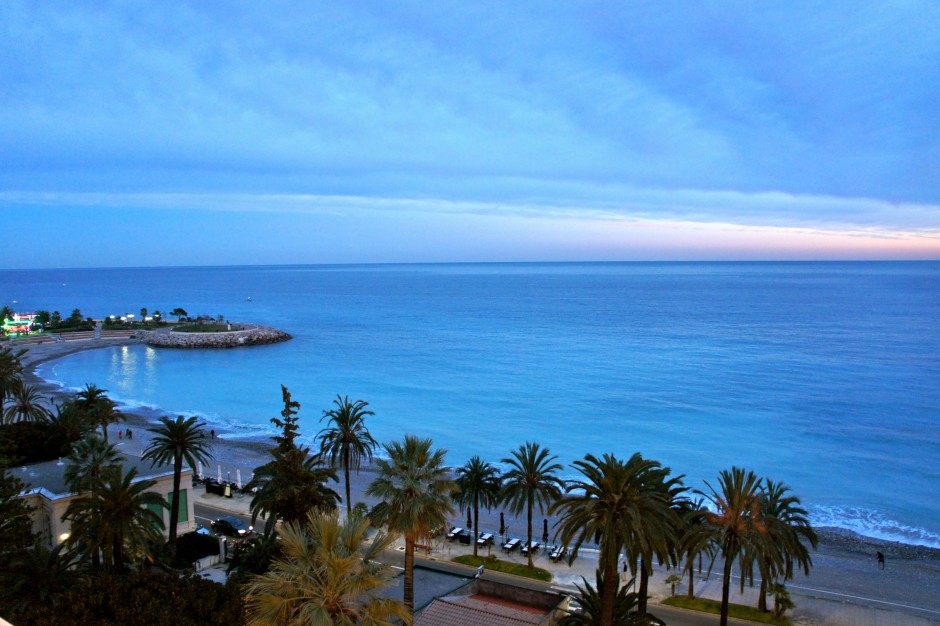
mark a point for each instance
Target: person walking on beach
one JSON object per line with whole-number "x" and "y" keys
{"x": 881, "y": 559}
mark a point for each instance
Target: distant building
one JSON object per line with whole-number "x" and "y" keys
{"x": 20, "y": 324}
{"x": 485, "y": 602}
{"x": 49, "y": 497}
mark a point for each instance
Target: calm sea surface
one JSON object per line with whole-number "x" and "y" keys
{"x": 823, "y": 375}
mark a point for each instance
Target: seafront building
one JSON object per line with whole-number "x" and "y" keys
{"x": 48, "y": 496}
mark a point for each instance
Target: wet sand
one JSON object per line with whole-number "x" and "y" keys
{"x": 846, "y": 576}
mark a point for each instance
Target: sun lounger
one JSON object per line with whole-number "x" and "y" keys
{"x": 484, "y": 539}
{"x": 454, "y": 532}
{"x": 511, "y": 545}
{"x": 533, "y": 547}
{"x": 558, "y": 553}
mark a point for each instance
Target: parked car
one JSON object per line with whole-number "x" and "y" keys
{"x": 232, "y": 527}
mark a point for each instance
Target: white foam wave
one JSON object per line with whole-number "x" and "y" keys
{"x": 871, "y": 523}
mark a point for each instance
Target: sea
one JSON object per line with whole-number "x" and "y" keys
{"x": 825, "y": 376}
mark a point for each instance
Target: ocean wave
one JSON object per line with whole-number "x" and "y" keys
{"x": 871, "y": 523}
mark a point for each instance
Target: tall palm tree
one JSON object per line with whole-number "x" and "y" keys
{"x": 27, "y": 405}
{"x": 479, "y": 484}
{"x": 530, "y": 480}
{"x": 346, "y": 440}
{"x": 658, "y": 539}
{"x": 735, "y": 523}
{"x": 114, "y": 519}
{"x": 98, "y": 408}
{"x": 175, "y": 441}
{"x": 10, "y": 370}
{"x": 618, "y": 506}
{"x": 789, "y": 527}
{"x": 90, "y": 462}
{"x": 591, "y": 606}
{"x": 326, "y": 574}
{"x": 415, "y": 490}
{"x": 692, "y": 519}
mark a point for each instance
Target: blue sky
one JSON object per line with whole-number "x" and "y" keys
{"x": 303, "y": 132}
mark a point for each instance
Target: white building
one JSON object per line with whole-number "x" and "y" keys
{"x": 49, "y": 497}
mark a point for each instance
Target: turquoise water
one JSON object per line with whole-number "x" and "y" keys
{"x": 823, "y": 375}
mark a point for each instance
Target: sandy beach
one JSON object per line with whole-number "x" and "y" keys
{"x": 846, "y": 585}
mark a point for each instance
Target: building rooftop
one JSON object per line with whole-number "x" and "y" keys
{"x": 48, "y": 478}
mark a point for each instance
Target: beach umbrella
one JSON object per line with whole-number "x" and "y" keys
{"x": 469, "y": 520}
{"x": 502, "y": 525}
{"x": 238, "y": 478}
{"x": 199, "y": 470}
{"x": 544, "y": 530}
{"x": 220, "y": 473}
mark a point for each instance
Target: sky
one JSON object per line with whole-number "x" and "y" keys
{"x": 217, "y": 133}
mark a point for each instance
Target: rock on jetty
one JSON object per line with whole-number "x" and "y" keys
{"x": 246, "y": 335}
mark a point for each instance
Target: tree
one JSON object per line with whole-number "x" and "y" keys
{"x": 143, "y": 314}
{"x": 625, "y": 604}
{"x": 692, "y": 520}
{"x": 479, "y": 484}
{"x": 42, "y": 318}
{"x": 530, "y": 480}
{"x": 68, "y": 425}
{"x": 27, "y": 406}
{"x": 176, "y": 441}
{"x": 75, "y": 319}
{"x": 327, "y": 574}
{"x": 619, "y": 506}
{"x": 346, "y": 440}
{"x": 736, "y": 525}
{"x": 789, "y": 526}
{"x": 115, "y": 519}
{"x": 6, "y": 313}
{"x": 91, "y": 461}
{"x": 39, "y": 577}
{"x": 293, "y": 482}
{"x": 415, "y": 490}
{"x": 98, "y": 408}
{"x": 10, "y": 370}
{"x": 56, "y": 320}
{"x": 16, "y": 526}
{"x": 179, "y": 312}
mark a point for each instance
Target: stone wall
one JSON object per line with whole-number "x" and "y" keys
{"x": 248, "y": 335}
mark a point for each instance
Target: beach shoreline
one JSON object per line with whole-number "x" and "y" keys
{"x": 845, "y": 568}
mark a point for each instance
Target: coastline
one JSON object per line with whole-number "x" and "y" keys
{"x": 845, "y": 569}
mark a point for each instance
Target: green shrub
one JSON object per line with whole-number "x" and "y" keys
{"x": 507, "y": 567}
{"x": 734, "y": 610}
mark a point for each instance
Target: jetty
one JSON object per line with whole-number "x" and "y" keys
{"x": 239, "y": 335}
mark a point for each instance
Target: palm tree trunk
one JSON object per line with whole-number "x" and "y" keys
{"x": 175, "y": 505}
{"x": 609, "y": 587}
{"x": 410, "y": 576}
{"x": 644, "y": 587}
{"x": 476, "y": 523}
{"x": 529, "y": 540}
{"x": 762, "y": 599}
{"x": 691, "y": 566}
{"x": 726, "y": 588}
{"x": 348, "y": 490}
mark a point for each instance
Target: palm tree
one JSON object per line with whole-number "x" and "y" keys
{"x": 736, "y": 526}
{"x": 530, "y": 480}
{"x": 39, "y": 576}
{"x": 347, "y": 441}
{"x": 625, "y": 605}
{"x": 617, "y": 506}
{"x": 91, "y": 461}
{"x": 415, "y": 490}
{"x": 692, "y": 520}
{"x": 479, "y": 484}
{"x": 98, "y": 408}
{"x": 176, "y": 441}
{"x": 27, "y": 405}
{"x": 114, "y": 519}
{"x": 789, "y": 526}
{"x": 10, "y": 370}
{"x": 326, "y": 574}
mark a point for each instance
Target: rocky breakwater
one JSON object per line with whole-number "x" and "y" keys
{"x": 240, "y": 335}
